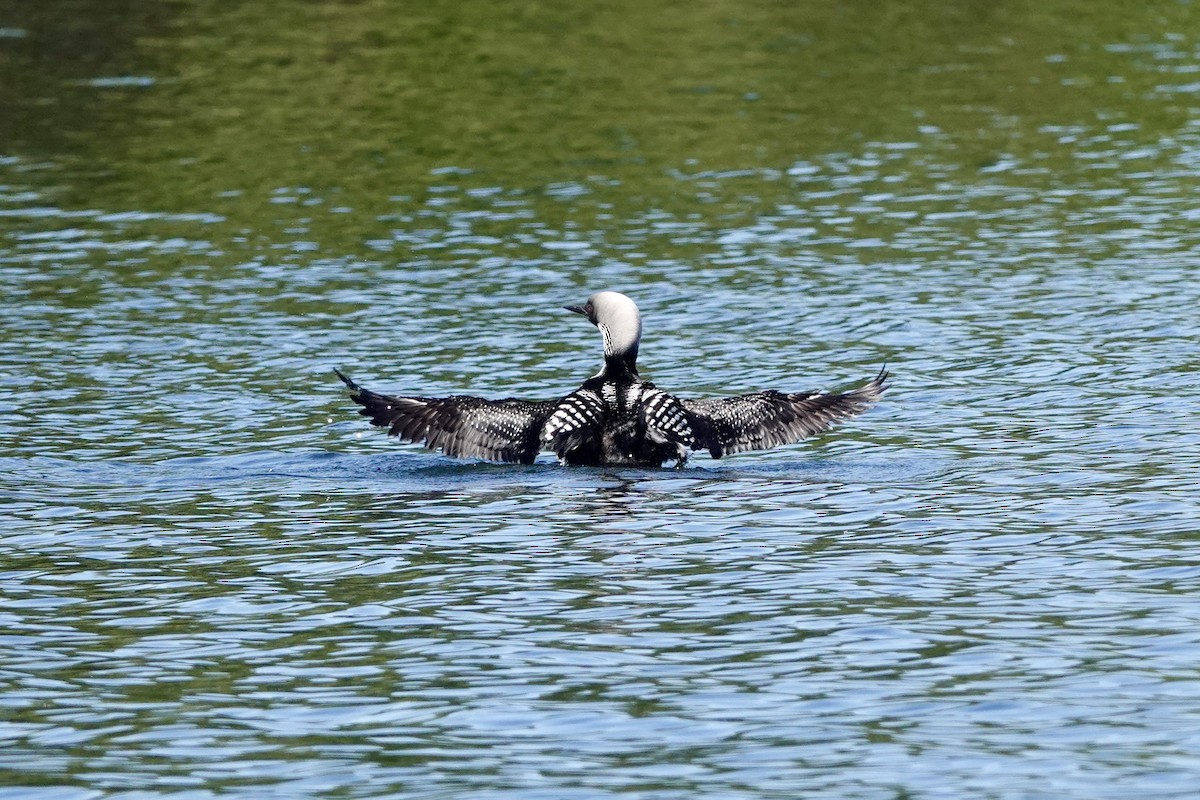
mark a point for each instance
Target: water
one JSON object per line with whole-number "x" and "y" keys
{"x": 217, "y": 580}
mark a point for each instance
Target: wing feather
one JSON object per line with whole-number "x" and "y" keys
{"x": 665, "y": 421}
{"x": 761, "y": 420}
{"x": 574, "y": 428}
{"x": 460, "y": 425}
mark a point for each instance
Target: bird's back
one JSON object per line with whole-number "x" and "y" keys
{"x": 618, "y": 421}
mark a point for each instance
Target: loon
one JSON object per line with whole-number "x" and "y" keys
{"x": 614, "y": 418}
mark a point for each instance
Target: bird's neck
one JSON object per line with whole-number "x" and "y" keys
{"x": 620, "y": 365}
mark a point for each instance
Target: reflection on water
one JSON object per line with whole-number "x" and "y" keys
{"x": 217, "y": 581}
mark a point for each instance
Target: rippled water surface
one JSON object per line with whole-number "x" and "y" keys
{"x": 217, "y": 580}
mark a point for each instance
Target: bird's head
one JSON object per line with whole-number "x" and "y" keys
{"x": 619, "y": 321}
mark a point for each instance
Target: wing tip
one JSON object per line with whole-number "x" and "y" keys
{"x": 875, "y": 388}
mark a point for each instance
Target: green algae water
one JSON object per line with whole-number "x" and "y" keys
{"x": 217, "y": 581}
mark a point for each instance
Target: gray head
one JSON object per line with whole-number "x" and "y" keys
{"x": 619, "y": 321}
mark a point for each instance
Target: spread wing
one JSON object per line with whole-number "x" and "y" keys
{"x": 757, "y": 421}
{"x": 461, "y": 426}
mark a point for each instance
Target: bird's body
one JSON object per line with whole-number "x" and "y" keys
{"x": 614, "y": 417}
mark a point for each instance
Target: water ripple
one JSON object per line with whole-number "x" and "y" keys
{"x": 218, "y": 579}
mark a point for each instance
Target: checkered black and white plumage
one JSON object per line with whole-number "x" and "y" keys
{"x": 614, "y": 417}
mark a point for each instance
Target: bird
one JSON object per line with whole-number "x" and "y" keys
{"x": 614, "y": 418}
